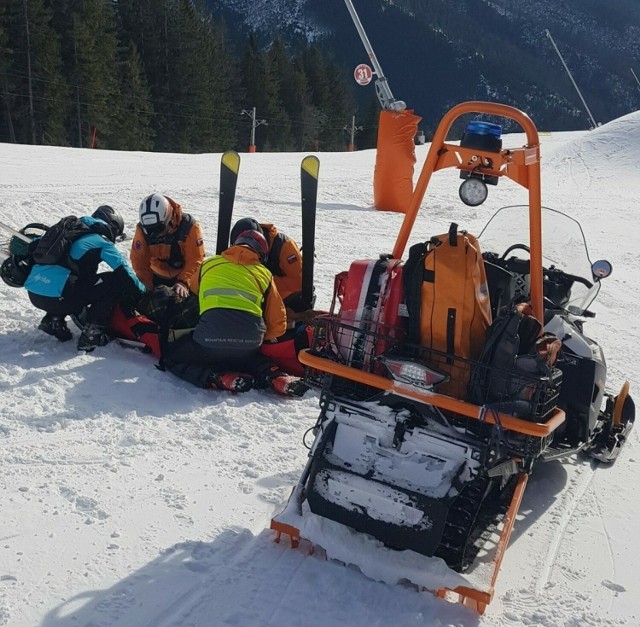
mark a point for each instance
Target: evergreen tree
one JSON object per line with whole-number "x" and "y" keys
{"x": 31, "y": 79}
{"x": 134, "y": 109}
{"x": 280, "y": 70}
{"x": 96, "y": 46}
{"x": 369, "y": 135}
{"x": 262, "y": 82}
{"x": 339, "y": 111}
{"x": 296, "y": 96}
{"x": 202, "y": 78}
{"x": 331, "y": 98}
{"x": 153, "y": 26}
{"x": 7, "y": 131}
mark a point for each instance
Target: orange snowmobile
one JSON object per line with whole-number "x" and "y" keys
{"x": 445, "y": 378}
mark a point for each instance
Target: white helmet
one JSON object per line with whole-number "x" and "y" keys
{"x": 156, "y": 212}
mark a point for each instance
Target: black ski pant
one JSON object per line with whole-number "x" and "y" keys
{"x": 99, "y": 297}
{"x": 196, "y": 363}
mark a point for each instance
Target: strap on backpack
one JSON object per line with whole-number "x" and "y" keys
{"x": 414, "y": 275}
{"x": 273, "y": 260}
{"x": 453, "y": 234}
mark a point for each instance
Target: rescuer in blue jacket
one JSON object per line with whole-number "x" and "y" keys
{"x": 75, "y": 284}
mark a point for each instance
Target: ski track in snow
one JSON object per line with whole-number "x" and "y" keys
{"x": 239, "y": 579}
{"x": 568, "y": 508}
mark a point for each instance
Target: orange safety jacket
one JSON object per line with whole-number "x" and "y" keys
{"x": 149, "y": 258}
{"x": 285, "y": 261}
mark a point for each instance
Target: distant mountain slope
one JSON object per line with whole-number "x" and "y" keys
{"x": 437, "y": 53}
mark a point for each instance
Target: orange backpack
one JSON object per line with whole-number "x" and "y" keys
{"x": 448, "y": 303}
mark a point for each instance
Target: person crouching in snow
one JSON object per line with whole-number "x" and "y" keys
{"x": 166, "y": 254}
{"x": 284, "y": 261}
{"x": 239, "y": 308}
{"x": 75, "y": 284}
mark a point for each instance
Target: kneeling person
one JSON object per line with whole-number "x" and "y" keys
{"x": 239, "y": 308}
{"x": 74, "y": 284}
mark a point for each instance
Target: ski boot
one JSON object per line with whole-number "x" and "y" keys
{"x": 230, "y": 381}
{"x": 56, "y": 326}
{"x": 92, "y": 336}
{"x": 289, "y": 386}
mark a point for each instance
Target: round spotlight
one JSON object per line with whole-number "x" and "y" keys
{"x": 473, "y": 191}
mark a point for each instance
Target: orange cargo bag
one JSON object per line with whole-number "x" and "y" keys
{"x": 448, "y": 304}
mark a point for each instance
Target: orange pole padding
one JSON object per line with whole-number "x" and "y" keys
{"x": 429, "y": 397}
{"x": 395, "y": 158}
{"x": 523, "y": 168}
{"x": 352, "y": 147}
{"x": 252, "y": 148}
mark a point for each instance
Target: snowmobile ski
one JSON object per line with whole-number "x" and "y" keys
{"x": 309, "y": 171}
{"x": 619, "y": 415}
{"x": 229, "y": 168}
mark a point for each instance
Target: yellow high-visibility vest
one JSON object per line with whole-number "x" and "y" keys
{"x": 228, "y": 285}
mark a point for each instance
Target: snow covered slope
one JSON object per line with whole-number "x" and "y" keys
{"x": 129, "y": 498}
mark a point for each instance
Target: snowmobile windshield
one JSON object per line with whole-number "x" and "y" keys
{"x": 568, "y": 278}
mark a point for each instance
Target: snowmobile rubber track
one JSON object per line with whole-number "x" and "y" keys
{"x": 457, "y": 537}
{"x": 472, "y": 518}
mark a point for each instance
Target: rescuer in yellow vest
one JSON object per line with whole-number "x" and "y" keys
{"x": 240, "y": 307}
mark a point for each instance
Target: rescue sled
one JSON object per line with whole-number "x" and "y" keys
{"x": 430, "y": 426}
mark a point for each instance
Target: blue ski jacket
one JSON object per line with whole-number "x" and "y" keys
{"x": 85, "y": 255}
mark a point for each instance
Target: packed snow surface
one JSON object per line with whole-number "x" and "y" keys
{"x": 129, "y": 498}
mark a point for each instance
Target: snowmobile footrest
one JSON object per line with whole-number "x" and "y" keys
{"x": 609, "y": 450}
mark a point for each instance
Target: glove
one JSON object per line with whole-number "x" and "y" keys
{"x": 302, "y": 316}
{"x": 181, "y": 290}
{"x": 297, "y": 303}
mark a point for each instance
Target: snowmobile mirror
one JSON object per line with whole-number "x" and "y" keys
{"x": 413, "y": 373}
{"x": 601, "y": 269}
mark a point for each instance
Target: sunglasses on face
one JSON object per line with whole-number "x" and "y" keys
{"x": 153, "y": 229}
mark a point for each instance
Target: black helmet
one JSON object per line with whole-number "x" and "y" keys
{"x": 245, "y": 224}
{"x": 113, "y": 219}
{"x": 14, "y": 272}
{"x": 254, "y": 240}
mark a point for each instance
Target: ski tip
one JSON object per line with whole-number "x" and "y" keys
{"x": 231, "y": 160}
{"x": 311, "y": 165}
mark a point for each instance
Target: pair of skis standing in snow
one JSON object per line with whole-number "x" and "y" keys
{"x": 136, "y": 330}
{"x": 230, "y": 304}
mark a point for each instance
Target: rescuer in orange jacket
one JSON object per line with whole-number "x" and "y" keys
{"x": 168, "y": 248}
{"x": 166, "y": 255}
{"x": 285, "y": 263}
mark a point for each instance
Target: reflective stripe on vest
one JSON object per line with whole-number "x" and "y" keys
{"x": 233, "y": 286}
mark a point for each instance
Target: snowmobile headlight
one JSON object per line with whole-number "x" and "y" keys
{"x": 473, "y": 191}
{"x": 413, "y": 373}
